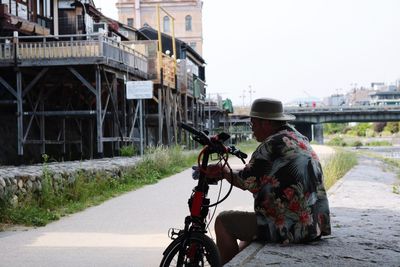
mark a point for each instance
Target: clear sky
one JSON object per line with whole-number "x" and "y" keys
{"x": 288, "y": 49}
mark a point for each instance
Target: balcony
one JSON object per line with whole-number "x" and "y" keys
{"x": 70, "y": 50}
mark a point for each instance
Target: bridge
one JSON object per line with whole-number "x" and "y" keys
{"x": 309, "y": 120}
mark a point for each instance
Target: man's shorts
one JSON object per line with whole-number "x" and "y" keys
{"x": 241, "y": 225}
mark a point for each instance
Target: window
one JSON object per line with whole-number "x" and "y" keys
{"x": 192, "y": 45}
{"x": 166, "y": 23}
{"x": 188, "y": 23}
{"x": 130, "y": 22}
{"x": 43, "y": 8}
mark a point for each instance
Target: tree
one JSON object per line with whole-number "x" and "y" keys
{"x": 392, "y": 127}
{"x": 334, "y": 128}
{"x": 379, "y": 126}
{"x": 361, "y": 128}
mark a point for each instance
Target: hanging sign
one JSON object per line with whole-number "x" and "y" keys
{"x": 139, "y": 89}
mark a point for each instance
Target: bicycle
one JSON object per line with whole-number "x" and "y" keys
{"x": 191, "y": 246}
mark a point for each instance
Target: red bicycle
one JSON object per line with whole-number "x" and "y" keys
{"x": 191, "y": 246}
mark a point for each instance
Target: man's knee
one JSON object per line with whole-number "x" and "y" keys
{"x": 237, "y": 224}
{"x": 221, "y": 220}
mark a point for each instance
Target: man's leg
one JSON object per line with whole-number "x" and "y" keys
{"x": 226, "y": 243}
{"x": 231, "y": 226}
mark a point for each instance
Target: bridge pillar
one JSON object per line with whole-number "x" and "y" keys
{"x": 318, "y": 133}
{"x": 305, "y": 129}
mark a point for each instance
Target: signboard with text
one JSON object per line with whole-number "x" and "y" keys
{"x": 139, "y": 89}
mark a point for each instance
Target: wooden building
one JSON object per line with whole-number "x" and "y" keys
{"x": 62, "y": 88}
{"x": 183, "y": 88}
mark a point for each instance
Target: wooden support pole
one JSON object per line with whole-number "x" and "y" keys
{"x": 42, "y": 128}
{"x": 160, "y": 117}
{"x": 99, "y": 121}
{"x": 20, "y": 115}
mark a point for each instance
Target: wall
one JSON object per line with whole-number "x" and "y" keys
{"x": 178, "y": 9}
{"x": 16, "y": 182}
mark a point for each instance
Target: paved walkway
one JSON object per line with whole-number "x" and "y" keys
{"x": 365, "y": 226}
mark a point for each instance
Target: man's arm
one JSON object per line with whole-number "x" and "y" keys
{"x": 234, "y": 178}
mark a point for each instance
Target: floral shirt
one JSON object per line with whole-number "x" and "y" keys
{"x": 285, "y": 176}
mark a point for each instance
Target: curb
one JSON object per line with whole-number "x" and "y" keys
{"x": 245, "y": 255}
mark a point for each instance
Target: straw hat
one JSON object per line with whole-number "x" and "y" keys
{"x": 269, "y": 109}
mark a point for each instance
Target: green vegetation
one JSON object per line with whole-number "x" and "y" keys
{"x": 248, "y": 146}
{"x": 334, "y": 128}
{"x": 336, "y": 141}
{"x": 128, "y": 151}
{"x": 396, "y": 189}
{"x": 375, "y": 129}
{"x": 392, "y": 127}
{"x": 337, "y": 166}
{"x": 378, "y": 143}
{"x": 66, "y": 196}
{"x": 360, "y": 129}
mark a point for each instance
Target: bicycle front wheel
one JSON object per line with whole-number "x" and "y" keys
{"x": 198, "y": 250}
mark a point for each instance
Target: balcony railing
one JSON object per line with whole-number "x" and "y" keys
{"x": 70, "y": 47}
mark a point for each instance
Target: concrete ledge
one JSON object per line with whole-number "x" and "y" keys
{"x": 365, "y": 220}
{"x": 244, "y": 256}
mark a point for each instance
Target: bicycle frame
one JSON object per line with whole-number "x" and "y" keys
{"x": 198, "y": 202}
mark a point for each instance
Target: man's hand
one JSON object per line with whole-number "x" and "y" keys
{"x": 213, "y": 172}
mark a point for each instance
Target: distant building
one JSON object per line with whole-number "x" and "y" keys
{"x": 385, "y": 98}
{"x": 377, "y": 86}
{"x": 359, "y": 97}
{"x": 335, "y": 100}
{"x": 187, "y": 16}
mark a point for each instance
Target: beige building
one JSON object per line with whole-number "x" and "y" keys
{"x": 187, "y": 16}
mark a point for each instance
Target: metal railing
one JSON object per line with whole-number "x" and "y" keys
{"x": 339, "y": 108}
{"x": 70, "y": 46}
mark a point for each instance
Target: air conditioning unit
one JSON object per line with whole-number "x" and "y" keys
{"x": 100, "y": 27}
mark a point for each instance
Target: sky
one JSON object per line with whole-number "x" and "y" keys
{"x": 295, "y": 49}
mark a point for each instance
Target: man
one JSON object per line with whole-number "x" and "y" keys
{"x": 285, "y": 177}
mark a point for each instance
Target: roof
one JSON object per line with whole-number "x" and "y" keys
{"x": 385, "y": 93}
{"x": 150, "y": 33}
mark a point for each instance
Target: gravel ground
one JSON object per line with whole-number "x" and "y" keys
{"x": 365, "y": 226}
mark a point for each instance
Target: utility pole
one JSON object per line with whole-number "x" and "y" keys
{"x": 209, "y": 111}
{"x": 243, "y": 96}
{"x": 251, "y": 91}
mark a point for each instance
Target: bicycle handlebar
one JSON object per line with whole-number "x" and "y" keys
{"x": 201, "y": 137}
{"x": 236, "y": 152}
{"x": 216, "y": 142}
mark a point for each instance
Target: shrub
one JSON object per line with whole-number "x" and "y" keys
{"x": 379, "y": 126}
{"x": 378, "y": 143}
{"x": 392, "y": 127}
{"x": 128, "y": 151}
{"x": 337, "y": 141}
{"x": 356, "y": 143}
{"x": 334, "y": 128}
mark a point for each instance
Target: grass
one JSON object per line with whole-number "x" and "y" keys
{"x": 396, "y": 189}
{"x": 87, "y": 188}
{"x": 378, "y": 143}
{"x": 337, "y": 166}
{"x": 343, "y": 140}
{"x": 128, "y": 151}
{"x": 248, "y": 146}
{"x": 60, "y": 197}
